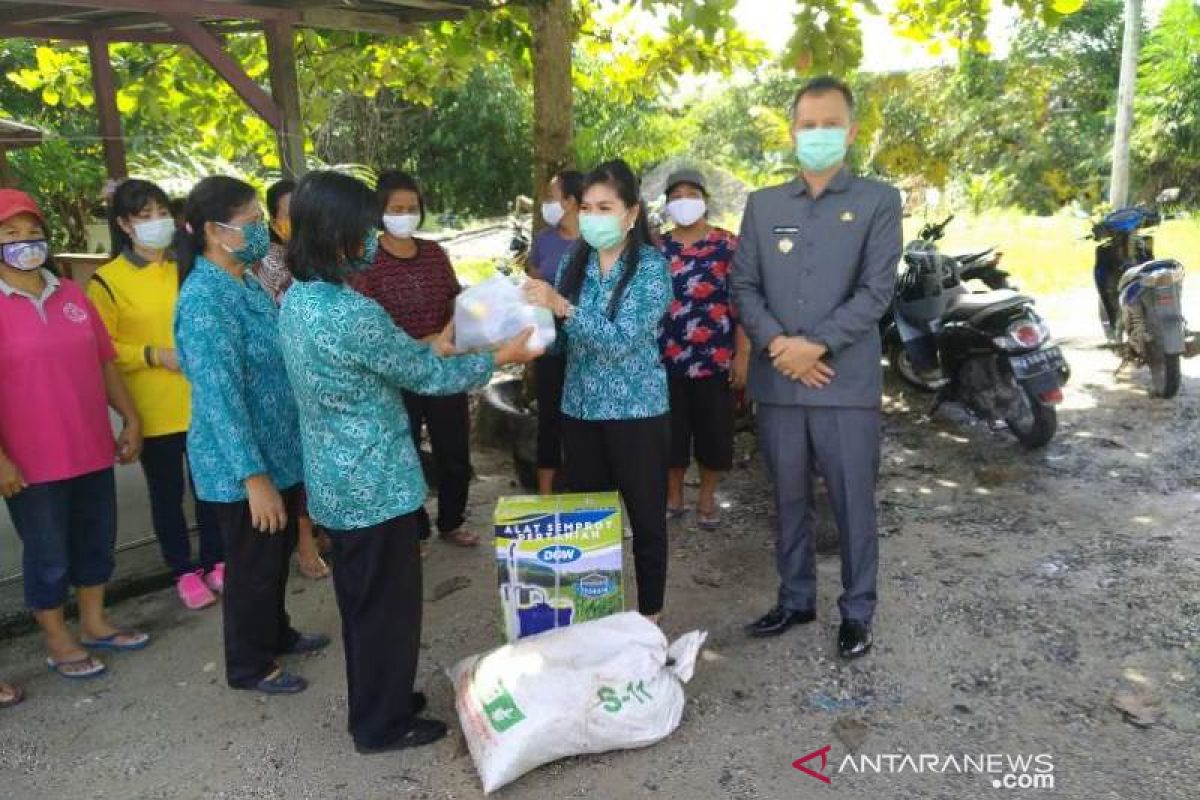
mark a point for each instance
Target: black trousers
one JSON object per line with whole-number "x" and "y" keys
{"x": 549, "y": 374}
{"x": 449, "y": 424}
{"x": 377, "y": 580}
{"x": 702, "y": 422}
{"x": 163, "y": 461}
{"x": 257, "y": 629}
{"x": 632, "y": 457}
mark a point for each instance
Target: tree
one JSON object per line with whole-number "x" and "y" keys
{"x": 1167, "y": 136}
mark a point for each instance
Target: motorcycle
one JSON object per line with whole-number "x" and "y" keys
{"x": 1141, "y": 298}
{"x": 989, "y": 351}
{"x": 980, "y": 265}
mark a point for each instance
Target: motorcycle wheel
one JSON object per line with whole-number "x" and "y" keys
{"x": 902, "y": 365}
{"x": 1037, "y": 426}
{"x": 1164, "y": 373}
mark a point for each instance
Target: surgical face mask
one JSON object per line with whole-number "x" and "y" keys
{"x": 370, "y": 248}
{"x": 686, "y": 211}
{"x": 156, "y": 234}
{"x": 601, "y": 231}
{"x": 819, "y": 149}
{"x": 26, "y": 255}
{"x": 401, "y": 226}
{"x": 258, "y": 242}
{"x": 553, "y": 212}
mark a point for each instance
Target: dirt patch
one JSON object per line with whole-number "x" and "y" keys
{"x": 1031, "y": 603}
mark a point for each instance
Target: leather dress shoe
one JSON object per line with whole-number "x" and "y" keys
{"x": 308, "y": 643}
{"x": 854, "y": 639}
{"x": 778, "y": 620}
{"x": 421, "y": 732}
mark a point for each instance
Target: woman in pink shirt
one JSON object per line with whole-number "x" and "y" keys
{"x": 57, "y": 380}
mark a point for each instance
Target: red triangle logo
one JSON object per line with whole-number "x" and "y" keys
{"x": 824, "y": 754}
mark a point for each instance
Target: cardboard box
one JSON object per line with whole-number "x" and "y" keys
{"x": 559, "y": 561}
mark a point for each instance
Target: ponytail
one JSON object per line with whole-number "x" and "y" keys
{"x": 214, "y": 199}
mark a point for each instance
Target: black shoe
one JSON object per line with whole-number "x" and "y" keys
{"x": 778, "y": 620}
{"x": 420, "y": 733}
{"x": 419, "y": 703}
{"x": 307, "y": 643}
{"x": 281, "y": 683}
{"x": 854, "y": 639}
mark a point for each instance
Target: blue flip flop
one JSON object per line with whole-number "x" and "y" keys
{"x": 139, "y": 641}
{"x": 98, "y": 668}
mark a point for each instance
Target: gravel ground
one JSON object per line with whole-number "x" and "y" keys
{"x": 1031, "y": 603}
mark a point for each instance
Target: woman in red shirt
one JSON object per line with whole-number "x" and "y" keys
{"x": 57, "y": 381}
{"x": 415, "y": 283}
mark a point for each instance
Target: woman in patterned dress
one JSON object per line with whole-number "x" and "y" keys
{"x": 611, "y": 295}
{"x": 706, "y": 353}
{"x": 350, "y": 365}
{"x": 244, "y": 438}
{"x": 273, "y": 274}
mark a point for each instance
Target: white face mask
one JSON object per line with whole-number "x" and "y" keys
{"x": 686, "y": 210}
{"x": 401, "y": 225}
{"x": 156, "y": 234}
{"x": 553, "y": 212}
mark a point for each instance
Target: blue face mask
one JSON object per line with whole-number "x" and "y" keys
{"x": 370, "y": 248}
{"x": 601, "y": 231}
{"x": 257, "y": 242}
{"x": 820, "y": 149}
{"x": 26, "y": 255}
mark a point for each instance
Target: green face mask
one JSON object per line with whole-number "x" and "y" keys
{"x": 819, "y": 149}
{"x": 601, "y": 231}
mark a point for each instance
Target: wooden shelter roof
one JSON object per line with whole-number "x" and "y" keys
{"x": 142, "y": 20}
{"x": 15, "y": 134}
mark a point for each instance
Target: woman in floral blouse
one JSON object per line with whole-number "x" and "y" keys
{"x": 612, "y": 293}
{"x": 350, "y": 365}
{"x": 705, "y": 351}
{"x": 273, "y": 274}
{"x": 244, "y": 441}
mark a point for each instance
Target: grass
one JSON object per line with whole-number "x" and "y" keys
{"x": 1047, "y": 255}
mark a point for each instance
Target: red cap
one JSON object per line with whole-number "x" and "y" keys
{"x": 14, "y": 201}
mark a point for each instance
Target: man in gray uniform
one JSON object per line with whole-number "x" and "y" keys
{"x": 812, "y": 276}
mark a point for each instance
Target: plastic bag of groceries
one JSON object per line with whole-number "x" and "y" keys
{"x": 608, "y": 684}
{"x": 492, "y": 312}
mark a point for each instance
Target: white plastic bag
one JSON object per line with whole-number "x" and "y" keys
{"x": 492, "y": 312}
{"x": 608, "y": 684}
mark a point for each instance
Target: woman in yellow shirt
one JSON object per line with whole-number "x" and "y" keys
{"x": 135, "y": 294}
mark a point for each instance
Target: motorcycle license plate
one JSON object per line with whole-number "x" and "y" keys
{"x": 1037, "y": 363}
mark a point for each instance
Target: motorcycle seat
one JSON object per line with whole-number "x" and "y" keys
{"x": 965, "y": 307}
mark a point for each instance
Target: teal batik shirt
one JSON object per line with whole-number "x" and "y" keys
{"x": 348, "y": 363}
{"x": 614, "y": 367}
{"x": 244, "y": 419}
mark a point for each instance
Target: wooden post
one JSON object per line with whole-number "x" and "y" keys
{"x": 553, "y": 102}
{"x": 1118, "y": 193}
{"x": 285, "y": 89}
{"x": 106, "y": 106}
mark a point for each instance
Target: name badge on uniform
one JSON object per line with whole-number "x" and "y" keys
{"x": 785, "y": 244}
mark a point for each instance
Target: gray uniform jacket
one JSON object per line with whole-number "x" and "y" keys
{"x": 823, "y": 269}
